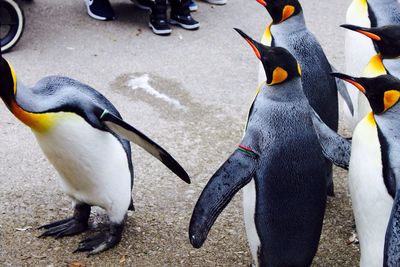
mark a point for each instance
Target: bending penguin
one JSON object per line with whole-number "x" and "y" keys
{"x": 384, "y": 61}
{"x": 288, "y": 30}
{"x": 280, "y": 161}
{"x": 84, "y": 137}
{"x": 373, "y": 168}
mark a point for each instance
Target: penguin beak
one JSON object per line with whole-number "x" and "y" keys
{"x": 257, "y": 47}
{"x": 262, "y": 2}
{"x": 350, "y": 79}
{"x": 366, "y": 31}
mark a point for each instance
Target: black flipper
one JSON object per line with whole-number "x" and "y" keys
{"x": 391, "y": 256}
{"x": 342, "y": 89}
{"x": 335, "y": 148}
{"x": 234, "y": 174}
{"x": 130, "y": 133}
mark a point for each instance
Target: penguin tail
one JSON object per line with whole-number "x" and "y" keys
{"x": 130, "y": 133}
{"x": 335, "y": 148}
{"x": 234, "y": 174}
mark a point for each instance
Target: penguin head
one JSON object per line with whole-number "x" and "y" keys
{"x": 279, "y": 65}
{"x": 281, "y": 10}
{"x": 386, "y": 38}
{"x": 7, "y": 79}
{"x": 382, "y": 92}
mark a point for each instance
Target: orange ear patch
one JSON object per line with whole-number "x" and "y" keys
{"x": 278, "y": 76}
{"x": 390, "y": 98}
{"x": 288, "y": 11}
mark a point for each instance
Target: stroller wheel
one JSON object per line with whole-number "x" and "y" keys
{"x": 12, "y": 23}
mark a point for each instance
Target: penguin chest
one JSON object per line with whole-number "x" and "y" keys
{"x": 371, "y": 201}
{"x": 92, "y": 163}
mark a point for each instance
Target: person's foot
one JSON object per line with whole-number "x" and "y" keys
{"x": 100, "y": 9}
{"x": 158, "y": 19}
{"x": 159, "y": 25}
{"x": 216, "y": 2}
{"x": 193, "y": 5}
{"x": 143, "y": 4}
{"x": 185, "y": 21}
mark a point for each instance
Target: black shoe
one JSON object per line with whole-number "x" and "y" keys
{"x": 143, "y": 4}
{"x": 159, "y": 26}
{"x": 185, "y": 21}
{"x": 100, "y": 9}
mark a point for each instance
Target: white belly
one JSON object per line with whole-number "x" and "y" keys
{"x": 92, "y": 164}
{"x": 359, "y": 50}
{"x": 371, "y": 202}
{"x": 249, "y": 206}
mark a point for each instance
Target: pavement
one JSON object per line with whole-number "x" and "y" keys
{"x": 190, "y": 92}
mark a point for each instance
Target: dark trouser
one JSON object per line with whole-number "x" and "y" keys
{"x": 180, "y": 7}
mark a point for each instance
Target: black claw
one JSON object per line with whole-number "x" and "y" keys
{"x": 67, "y": 227}
{"x": 101, "y": 241}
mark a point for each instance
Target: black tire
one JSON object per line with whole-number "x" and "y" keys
{"x": 12, "y": 21}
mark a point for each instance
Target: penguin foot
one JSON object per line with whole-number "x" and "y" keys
{"x": 102, "y": 241}
{"x": 71, "y": 226}
{"x": 67, "y": 227}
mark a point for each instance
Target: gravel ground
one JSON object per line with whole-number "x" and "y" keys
{"x": 211, "y": 72}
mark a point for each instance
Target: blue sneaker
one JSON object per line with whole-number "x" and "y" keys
{"x": 100, "y": 9}
{"x": 193, "y": 6}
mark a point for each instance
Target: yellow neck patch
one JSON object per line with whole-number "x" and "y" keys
{"x": 299, "y": 68}
{"x": 287, "y": 12}
{"x": 267, "y": 36}
{"x": 375, "y": 67}
{"x": 278, "y": 76}
{"x": 37, "y": 122}
{"x": 390, "y": 98}
{"x": 370, "y": 119}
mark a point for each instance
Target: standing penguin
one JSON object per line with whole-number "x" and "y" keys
{"x": 280, "y": 161}
{"x": 386, "y": 40}
{"x": 82, "y": 135}
{"x": 288, "y": 30}
{"x": 358, "y": 48}
{"x": 373, "y": 168}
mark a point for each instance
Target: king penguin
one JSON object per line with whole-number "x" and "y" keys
{"x": 373, "y": 166}
{"x": 280, "y": 161}
{"x": 385, "y": 60}
{"x": 288, "y": 30}
{"x": 84, "y": 137}
{"x": 358, "y": 48}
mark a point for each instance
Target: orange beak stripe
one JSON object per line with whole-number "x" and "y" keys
{"x": 254, "y": 49}
{"x": 356, "y": 84}
{"x": 262, "y": 2}
{"x": 370, "y": 35}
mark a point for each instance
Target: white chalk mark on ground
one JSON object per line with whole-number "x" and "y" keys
{"x": 142, "y": 82}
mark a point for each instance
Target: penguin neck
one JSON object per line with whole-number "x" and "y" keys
{"x": 381, "y": 2}
{"x": 292, "y": 24}
{"x": 287, "y": 91}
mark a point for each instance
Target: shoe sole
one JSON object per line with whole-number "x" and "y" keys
{"x": 159, "y": 32}
{"x": 91, "y": 14}
{"x": 217, "y": 2}
{"x": 185, "y": 26}
{"x": 193, "y": 9}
